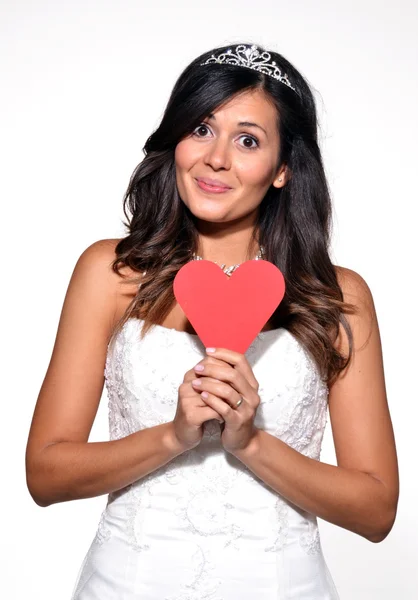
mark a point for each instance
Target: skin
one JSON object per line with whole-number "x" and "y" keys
{"x": 359, "y": 494}
{"x": 220, "y": 149}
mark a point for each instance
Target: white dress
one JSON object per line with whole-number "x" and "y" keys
{"x": 203, "y": 526}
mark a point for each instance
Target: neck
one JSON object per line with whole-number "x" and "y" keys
{"x": 230, "y": 249}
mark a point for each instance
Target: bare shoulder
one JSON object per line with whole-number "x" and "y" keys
{"x": 95, "y": 263}
{"x": 99, "y": 257}
{"x": 362, "y": 318}
{"x": 355, "y": 289}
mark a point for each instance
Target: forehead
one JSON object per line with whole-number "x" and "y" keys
{"x": 252, "y": 103}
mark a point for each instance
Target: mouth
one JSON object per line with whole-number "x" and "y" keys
{"x": 212, "y": 185}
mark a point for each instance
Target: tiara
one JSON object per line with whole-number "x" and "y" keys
{"x": 250, "y": 57}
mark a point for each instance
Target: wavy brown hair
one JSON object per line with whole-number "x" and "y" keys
{"x": 293, "y": 222}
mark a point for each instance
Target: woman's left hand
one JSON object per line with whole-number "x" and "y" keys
{"x": 225, "y": 378}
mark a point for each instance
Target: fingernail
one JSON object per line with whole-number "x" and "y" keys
{"x": 199, "y": 368}
{"x": 196, "y": 382}
{"x": 210, "y": 349}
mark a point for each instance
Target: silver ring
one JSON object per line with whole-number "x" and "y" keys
{"x": 240, "y": 401}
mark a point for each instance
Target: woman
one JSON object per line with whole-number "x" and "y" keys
{"x": 212, "y": 472}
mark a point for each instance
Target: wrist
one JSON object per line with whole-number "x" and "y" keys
{"x": 172, "y": 442}
{"x": 246, "y": 453}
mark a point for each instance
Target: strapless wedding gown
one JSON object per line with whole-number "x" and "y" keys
{"x": 203, "y": 526}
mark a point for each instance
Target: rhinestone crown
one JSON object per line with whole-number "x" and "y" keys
{"x": 251, "y": 58}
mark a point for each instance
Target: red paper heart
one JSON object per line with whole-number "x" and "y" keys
{"x": 229, "y": 312}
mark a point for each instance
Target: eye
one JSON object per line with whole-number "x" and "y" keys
{"x": 200, "y": 127}
{"x": 205, "y": 128}
{"x": 252, "y": 139}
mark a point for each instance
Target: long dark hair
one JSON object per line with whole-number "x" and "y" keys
{"x": 293, "y": 222}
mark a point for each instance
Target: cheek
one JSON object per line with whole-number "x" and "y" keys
{"x": 256, "y": 172}
{"x": 178, "y": 157}
{"x": 184, "y": 159}
{"x": 184, "y": 155}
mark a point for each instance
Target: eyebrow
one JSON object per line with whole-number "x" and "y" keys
{"x": 242, "y": 123}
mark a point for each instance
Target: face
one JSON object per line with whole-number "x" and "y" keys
{"x": 238, "y": 147}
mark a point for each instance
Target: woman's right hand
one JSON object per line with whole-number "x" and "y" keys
{"x": 191, "y": 413}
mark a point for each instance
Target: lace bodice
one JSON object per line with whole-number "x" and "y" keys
{"x": 218, "y": 531}
{"x": 293, "y": 403}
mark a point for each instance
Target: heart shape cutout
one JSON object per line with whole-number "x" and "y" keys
{"x": 229, "y": 312}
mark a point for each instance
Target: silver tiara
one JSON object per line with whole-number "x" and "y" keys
{"x": 250, "y": 57}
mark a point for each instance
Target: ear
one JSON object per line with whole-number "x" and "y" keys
{"x": 281, "y": 178}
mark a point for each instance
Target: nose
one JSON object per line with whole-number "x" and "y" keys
{"x": 218, "y": 154}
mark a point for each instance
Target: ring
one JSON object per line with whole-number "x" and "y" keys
{"x": 240, "y": 401}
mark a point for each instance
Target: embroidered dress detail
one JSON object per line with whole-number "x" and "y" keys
{"x": 203, "y": 526}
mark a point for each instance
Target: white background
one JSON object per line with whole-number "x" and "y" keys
{"x": 83, "y": 84}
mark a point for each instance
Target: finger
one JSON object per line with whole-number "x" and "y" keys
{"x": 217, "y": 388}
{"x": 229, "y": 375}
{"x": 214, "y": 361}
{"x": 209, "y": 413}
{"x": 238, "y": 361}
{"x": 227, "y": 412}
{"x": 190, "y": 375}
{"x": 187, "y": 391}
{"x": 193, "y": 392}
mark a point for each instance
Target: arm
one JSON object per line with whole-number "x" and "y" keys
{"x": 60, "y": 463}
{"x": 361, "y": 493}
{"x": 67, "y": 470}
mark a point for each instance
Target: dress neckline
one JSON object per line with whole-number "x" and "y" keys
{"x": 194, "y": 339}
{"x": 194, "y": 336}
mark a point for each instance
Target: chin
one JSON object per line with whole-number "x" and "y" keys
{"x": 210, "y": 217}
{"x": 207, "y": 211}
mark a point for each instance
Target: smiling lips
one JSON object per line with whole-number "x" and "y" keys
{"x": 212, "y": 185}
